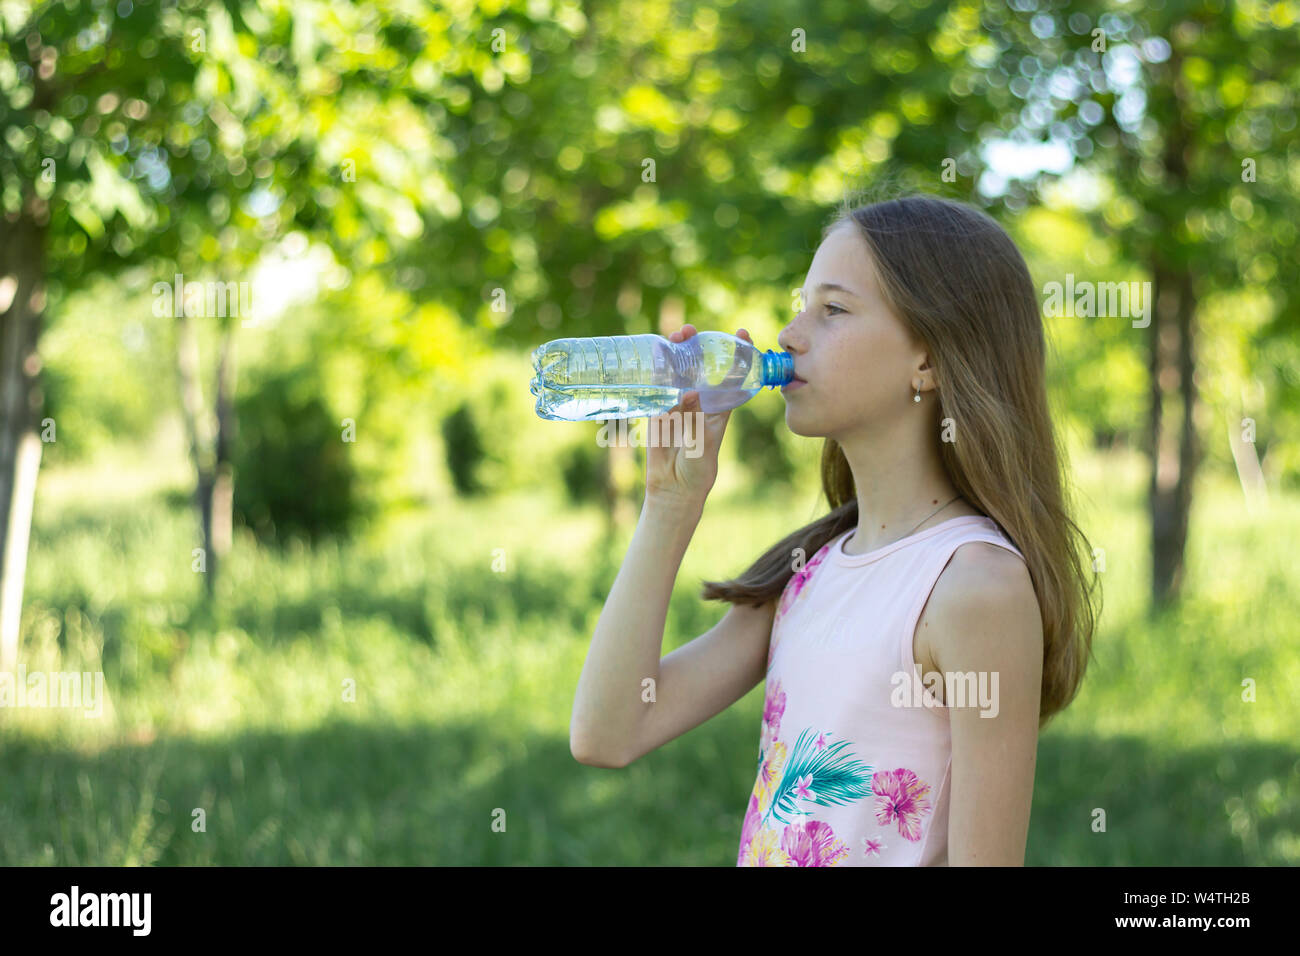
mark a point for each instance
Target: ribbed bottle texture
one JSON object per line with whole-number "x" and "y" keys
{"x": 635, "y": 376}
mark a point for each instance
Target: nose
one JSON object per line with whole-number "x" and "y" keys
{"x": 788, "y": 340}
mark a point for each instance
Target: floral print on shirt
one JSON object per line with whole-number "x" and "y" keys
{"x": 902, "y": 799}
{"x": 793, "y": 589}
{"x": 773, "y": 708}
{"x": 790, "y": 782}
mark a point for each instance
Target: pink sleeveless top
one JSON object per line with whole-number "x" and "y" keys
{"x": 845, "y": 777}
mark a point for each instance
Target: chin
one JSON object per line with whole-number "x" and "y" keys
{"x": 802, "y": 429}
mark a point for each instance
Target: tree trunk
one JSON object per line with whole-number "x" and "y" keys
{"x": 223, "y": 484}
{"x": 1172, "y": 445}
{"x": 196, "y": 422}
{"x": 22, "y": 305}
{"x": 1241, "y": 439}
{"x": 210, "y": 439}
{"x": 618, "y": 473}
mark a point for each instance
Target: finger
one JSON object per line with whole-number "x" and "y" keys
{"x": 715, "y": 426}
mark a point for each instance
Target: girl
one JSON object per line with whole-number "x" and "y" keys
{"x": 916, "y": 638}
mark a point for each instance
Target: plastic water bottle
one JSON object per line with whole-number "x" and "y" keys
{"x": 635, "y": 376}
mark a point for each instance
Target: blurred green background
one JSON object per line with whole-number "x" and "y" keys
{"x": 419, "y": 194}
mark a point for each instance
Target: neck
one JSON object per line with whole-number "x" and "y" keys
{"x": 900, "y": 480}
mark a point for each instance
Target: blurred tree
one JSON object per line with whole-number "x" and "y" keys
{"x": 512, "y": 171}
{"x": 1185, "y": 115}
{"x": 623, "y": 168}
{"x": 580, "y": 468}
{"x": 294, "y": 475}
{"x": 760, "y": 449}
{"x": 184, "y": 138}
{"x": 465, "y": 453}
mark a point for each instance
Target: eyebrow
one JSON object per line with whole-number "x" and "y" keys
{"x": 834, "y": 287}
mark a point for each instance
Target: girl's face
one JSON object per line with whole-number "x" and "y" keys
{"x": 856, "y": 356}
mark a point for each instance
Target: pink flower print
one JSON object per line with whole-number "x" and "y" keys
{"x": 748, "y": 828}
{"x": 795, "y": 585}
{"x": 821, "y": 742}
{"x": 901, "y": 797}
{"x": 871, "y": 847}
{"x": 773, "y": 708}
{"x": 812, "y": 843}
{"x": 802, "y": 788}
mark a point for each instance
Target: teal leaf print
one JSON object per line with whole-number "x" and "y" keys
{"x": 822, "y": 774}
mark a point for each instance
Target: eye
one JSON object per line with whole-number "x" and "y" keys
{"x": 831, "y": 305}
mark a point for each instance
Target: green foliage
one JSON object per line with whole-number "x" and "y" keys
{"x": 758, "y": 443}
{"x": 361, "y": 352}
{"x": 583, "y": 468}
{"x": 168, "y": 158}
{"x": 293, "y": 475}
{"x": 426, "y": 160}
{"x": 108, "y": 372}
{"x": 465, "y": 452}
{"x": 492, "y": 438}
{"x": 243, "y": 713}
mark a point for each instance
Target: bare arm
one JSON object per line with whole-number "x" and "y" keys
{"x": 983, "y": 616}
{"x": 706, "y": 676}
{"x": 625, "y": 649}
{"x": 616, "y": 718}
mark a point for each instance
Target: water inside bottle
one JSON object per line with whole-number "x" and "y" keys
{"x": 592, "y": 402}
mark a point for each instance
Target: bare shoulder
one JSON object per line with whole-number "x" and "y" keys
{"x": 984, "y": 595}
{"x": 978, "y": 570}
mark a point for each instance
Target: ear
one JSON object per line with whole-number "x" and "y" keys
{"x": 925, "y": 372}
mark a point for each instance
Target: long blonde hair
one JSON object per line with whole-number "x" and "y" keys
{"x": 958, "y": 282}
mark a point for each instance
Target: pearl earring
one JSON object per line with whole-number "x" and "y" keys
{"x": 917, "y": 397}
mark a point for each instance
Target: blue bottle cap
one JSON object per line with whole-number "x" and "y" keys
{"x": 778, "y": 368}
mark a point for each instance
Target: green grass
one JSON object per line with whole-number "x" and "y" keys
{"x": 464, "y": 680}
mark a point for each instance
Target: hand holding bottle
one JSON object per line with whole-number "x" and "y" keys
{"x": 673, "y": 476}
